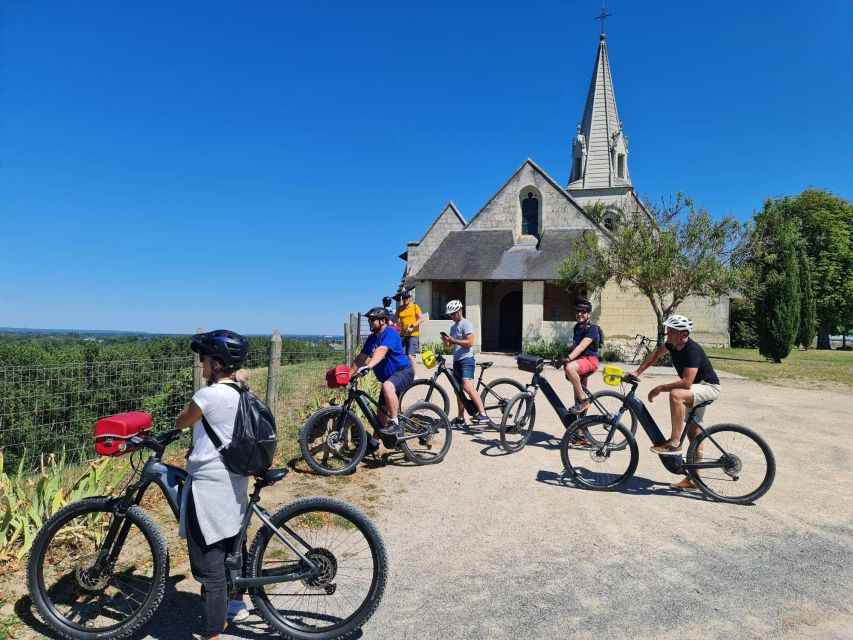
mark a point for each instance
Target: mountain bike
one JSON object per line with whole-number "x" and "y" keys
{"x": 727, "y": 462}
{"x": 643, "y": 349}
{"x": 520, "y": 414}
{"x": 316, "y": 569}
{"x": 494, "y": 394}
{"x": 334, "y": 440}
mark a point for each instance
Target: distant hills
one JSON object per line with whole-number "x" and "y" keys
{"x": 105, "y": 333}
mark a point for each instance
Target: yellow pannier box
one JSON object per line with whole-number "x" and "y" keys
{"x": 612, "y": 375}
{"x": 428, "y": 358}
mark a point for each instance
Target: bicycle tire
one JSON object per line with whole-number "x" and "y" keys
{"x": 496, "y": 396}
{"x": 517, "y": 422}
{"x": 585, "y": 462}
{"x": 78, "y": 544}
{"x": 713, "y": 481}
{"x": 418, "y": 392}
{"x": 611, "y": 407}
{"x": 434, "y": 434}
{"x": 333, "y": 524}
{"x": 321, "y": 447}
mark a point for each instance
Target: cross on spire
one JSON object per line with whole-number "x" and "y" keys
{"x": 603, "y": 16}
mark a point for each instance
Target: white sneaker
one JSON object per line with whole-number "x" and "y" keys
{"x": 237, "y": 611}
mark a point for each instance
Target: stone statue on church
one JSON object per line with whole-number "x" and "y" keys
{"x": 579, "y": 142}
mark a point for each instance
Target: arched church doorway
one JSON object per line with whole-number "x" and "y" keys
{"x": 509, "y": 318}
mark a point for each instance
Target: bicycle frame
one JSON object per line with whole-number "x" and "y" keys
{"x": 364, "y": 402}
{"x": 171, "y": 480}
{"x": 469, "y": 405}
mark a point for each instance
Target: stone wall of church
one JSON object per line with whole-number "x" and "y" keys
{"x": 420, "y": 253}
{"x": 625, "y": 313}
{"x": 504, "y": 210}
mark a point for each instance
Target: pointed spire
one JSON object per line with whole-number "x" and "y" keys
{"x": 600, "y": 149}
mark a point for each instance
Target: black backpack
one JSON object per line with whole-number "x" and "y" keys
{"x": 252, "y": 446}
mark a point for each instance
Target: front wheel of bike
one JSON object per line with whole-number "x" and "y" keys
{"x": 607, "y": 404}
{"x": 591, "y": 462}
{"x": 517, "y": 422}
{"x": 426, "y": 434}
{"x": 496, "y": 396}
{"x": 351, "y": 568}
{"x": 86, "y": 590}
{"x": 329, "y": 449}
{"x": 746, "y": 465}
{"x": 425, "y": 391}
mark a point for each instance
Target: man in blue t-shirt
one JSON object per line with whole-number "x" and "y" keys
{"x": 383, "y": 354}
{"x": 582, "y": 361}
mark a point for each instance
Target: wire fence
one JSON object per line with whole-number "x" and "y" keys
{"x": 53, "y": 408}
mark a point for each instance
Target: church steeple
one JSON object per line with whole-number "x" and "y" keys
{"x": 600, "y": 149}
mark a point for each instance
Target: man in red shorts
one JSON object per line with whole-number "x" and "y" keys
{"x": 583, "y": 358}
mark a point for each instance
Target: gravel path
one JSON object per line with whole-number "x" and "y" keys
{"x": 488, "y": 545}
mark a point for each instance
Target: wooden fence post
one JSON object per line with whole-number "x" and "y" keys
{"x": 275, "y": 366}
{"x": 347, "y": 344}
{"x": 197, "y": 368}
{"x": 353, "y": 337}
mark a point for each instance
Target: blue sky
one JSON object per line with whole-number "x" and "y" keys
{"x": 170, "y": 165}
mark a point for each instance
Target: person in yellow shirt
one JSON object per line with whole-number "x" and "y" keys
{"x": 409, "y": 318}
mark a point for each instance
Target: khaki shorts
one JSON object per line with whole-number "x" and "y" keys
{"x": 703, "y": 392}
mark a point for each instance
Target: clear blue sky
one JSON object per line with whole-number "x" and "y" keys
{"x": 170, "y": 165}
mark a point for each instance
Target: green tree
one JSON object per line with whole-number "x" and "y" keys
{"x": 808, "y": 314}
{"x": 824, "y": 223}
{"x": 675, "y": 251}
{"x": 778, "y": 302}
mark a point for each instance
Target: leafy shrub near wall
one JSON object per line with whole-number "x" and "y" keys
{"x": 435, "y": 347}
{"x": 545, "y": 349}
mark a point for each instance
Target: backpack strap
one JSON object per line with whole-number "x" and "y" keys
{"x": 217, "y": 442}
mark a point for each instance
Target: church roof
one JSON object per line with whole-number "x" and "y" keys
{"x": 600, "y": 132}
{"x": 492, "y": 254}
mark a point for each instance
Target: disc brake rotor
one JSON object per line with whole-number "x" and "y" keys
{"x": 335, "y": 442}
{"x": 327, "y": 566}
{"x": 87, "y": 578}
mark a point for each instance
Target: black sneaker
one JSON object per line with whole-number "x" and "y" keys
{"x": 391, "y": 429}
{"x": 480, "y": 419}
{"x": 372, "y": 447}
{"x": 458, "y": 422}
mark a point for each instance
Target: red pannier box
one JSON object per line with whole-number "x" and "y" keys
{"x": 113, "y": 433}
{"x": 337, "y": 376}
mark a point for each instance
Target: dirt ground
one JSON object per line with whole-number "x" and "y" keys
{"x": 490, "y": 545}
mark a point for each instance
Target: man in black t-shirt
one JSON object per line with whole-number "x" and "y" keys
{"x": 582, "y": 361}
{"x": 698, "y": 383}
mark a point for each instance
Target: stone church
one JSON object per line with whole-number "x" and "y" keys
{"x": 502, "y": 264}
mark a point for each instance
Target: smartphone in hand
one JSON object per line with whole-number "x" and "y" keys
{"x": 443, "y": 334}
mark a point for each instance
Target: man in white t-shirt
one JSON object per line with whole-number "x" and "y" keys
{"x": 461, "y": 338}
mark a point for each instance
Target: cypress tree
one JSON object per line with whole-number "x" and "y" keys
{"x": 808, "y": 304}
{"x": 778, "y": 300}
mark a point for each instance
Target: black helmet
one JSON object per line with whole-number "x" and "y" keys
{"x": 227, "y": 347}
{"x": 386, "y": 301}
{"x": 583, "y": 305}
{"x": 378, "y": 312}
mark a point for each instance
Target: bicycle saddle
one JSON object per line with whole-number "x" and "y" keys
{"x": 271, "y": 476}
{"x": 485, "y": 365}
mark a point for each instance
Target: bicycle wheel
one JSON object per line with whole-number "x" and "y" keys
{"x": 353, "y": 565}
{"x": 517, "y": 422}
{"x": 496, "y": 396}
{"x": 433, "y": 431}
{"x": 607, "y": 403}
{"x": 595, "y": 465}
{"x": 324, "y": 448}
{"x": 748, "y": 465}
{"x": 424, "y": 391}
{"x": 84, "y": 590}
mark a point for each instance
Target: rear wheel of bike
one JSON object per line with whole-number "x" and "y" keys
{"x": 328, "y": 450}
{"x": 84, "y": 590}
{"x": 353, "y": 567}
{"x": 496, "y": 396}
{"x": 433, "y": 431}
{"x": 425, "y": 391}
{"x": 611, "y": 402}
{"x": 747, "y": 465}
{"x": 593, "y": 464}
{"x": 517, "y": 422}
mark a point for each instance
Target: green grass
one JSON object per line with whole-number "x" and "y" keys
{"x": 802, "y": 369}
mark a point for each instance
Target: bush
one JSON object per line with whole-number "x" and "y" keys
{"x": 742, "y": 323}
{"x": 435, "y": 347}
{"x": 614, "y": 353}
{"x": 545, "y": 349}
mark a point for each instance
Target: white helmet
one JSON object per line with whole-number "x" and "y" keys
{"x": 452, "y": 307}
{"x": 680, "y": 323}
